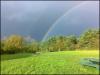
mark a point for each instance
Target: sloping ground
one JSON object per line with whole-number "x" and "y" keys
{"x": 66, "y": 62}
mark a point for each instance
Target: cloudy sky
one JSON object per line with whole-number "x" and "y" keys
{"x": 41, "y": 19}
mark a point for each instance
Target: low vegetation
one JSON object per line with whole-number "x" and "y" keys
{"x": 65, "y": 62}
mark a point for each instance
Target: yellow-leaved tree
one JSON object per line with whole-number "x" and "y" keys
{"x": 13, "y": 44}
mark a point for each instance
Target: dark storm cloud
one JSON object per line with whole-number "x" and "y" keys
{"x": 79, "y": 19}
{"x": 31, "y": 18}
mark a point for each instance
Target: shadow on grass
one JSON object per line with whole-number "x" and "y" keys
{"x": 15, "y": 56}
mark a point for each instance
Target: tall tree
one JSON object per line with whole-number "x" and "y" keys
{"x": 13, "y": 44}
{"x": 89, "y": 39}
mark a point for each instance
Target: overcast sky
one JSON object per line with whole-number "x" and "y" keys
{"x": 34, "y": 18}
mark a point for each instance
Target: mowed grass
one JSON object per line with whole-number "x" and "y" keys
{"x": 64, "y": 62}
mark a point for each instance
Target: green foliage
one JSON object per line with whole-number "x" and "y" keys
{"x": 13, "y": 44}
{"x": 60, "y": 43}
{"x": 16, "y": 43}
{"x": 89, "y": 40}
{"x": 33, "y": 47}
{"x": 71, "y": 42}
{"x": 2, "y": 45}
{"x": 54, "y": 44}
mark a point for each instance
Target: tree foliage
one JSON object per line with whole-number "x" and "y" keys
{"x": 16, "y": 43}
{"x": 33, "y": 47}
{"x": 13, "y": 44}
{"x": 89, "y": 39}
{"x": 60, "y": 43}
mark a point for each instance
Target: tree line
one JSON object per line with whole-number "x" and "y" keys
{"x": 16, "y": 43}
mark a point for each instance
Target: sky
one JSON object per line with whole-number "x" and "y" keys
{"x": 42, "y": 19}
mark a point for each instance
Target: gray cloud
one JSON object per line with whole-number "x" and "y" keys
{"x": 31, "y": 18}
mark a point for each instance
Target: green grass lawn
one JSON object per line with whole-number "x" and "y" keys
{"x": 65, "y": 62}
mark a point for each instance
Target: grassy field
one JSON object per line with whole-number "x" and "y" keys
{"x": 65, "y": 62}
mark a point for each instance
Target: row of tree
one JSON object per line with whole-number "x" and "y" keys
{"x": 15, "y": 43}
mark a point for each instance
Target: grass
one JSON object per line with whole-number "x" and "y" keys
{"x": 65, "y": 62}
